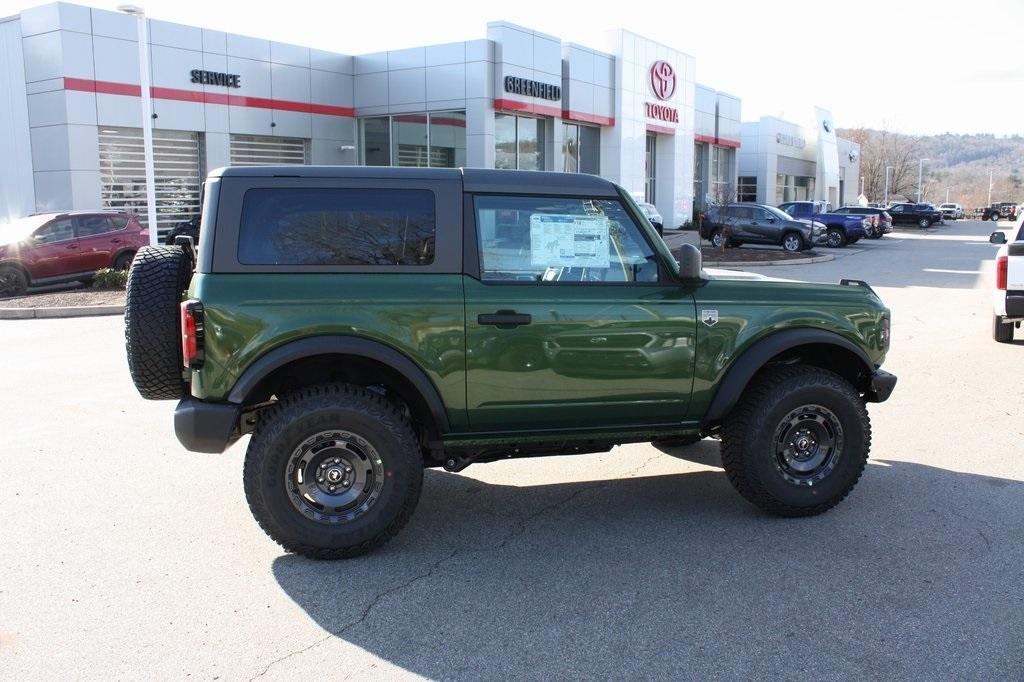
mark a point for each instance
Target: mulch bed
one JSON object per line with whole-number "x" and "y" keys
{"x": 62, "y": 299}
{"x": 746, "y": 254}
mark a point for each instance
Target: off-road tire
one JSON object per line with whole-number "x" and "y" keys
{"x": 152, "y": 321}
{"x": 748, "y": 450}
{"x": 835, "y": 238}
{"x": 1002, "y": 332}
{"x": 13, "y": 281}
{"x": 303, "y": 413}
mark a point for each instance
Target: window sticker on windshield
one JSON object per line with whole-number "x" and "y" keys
{"x": 568, "y": 241}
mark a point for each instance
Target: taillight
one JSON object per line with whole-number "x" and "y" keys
{"x": 1002, "y": 264}
{"x": 192, "y": 334}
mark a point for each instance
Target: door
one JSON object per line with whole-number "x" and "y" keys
{"x": 763, "y": 227}
{"x": 740, "y": 219}
{"x": 651, "y": 168}
{"x": 56, "y": 251}
{"x": 572, "y": 321}
{"x": 99, "y": 236}
{"x": 898, "y": 213}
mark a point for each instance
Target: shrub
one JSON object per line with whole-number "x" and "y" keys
{"x": 109, "y": 278}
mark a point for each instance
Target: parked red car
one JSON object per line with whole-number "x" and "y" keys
{"x": 51, "y": 248}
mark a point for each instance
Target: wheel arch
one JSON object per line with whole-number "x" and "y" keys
{"x": 816, "y": 347}
{"x": 350, "y": 358}
{"x": 122, "y": 251}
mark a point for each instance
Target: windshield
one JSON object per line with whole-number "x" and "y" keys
{"x": 19, "y": 229}
{"x": 778, "y": 213}
{"x": 949, "y": 206}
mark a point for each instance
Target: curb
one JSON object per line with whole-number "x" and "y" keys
{"x": 751, "y": 264}
{"x": 70, "y": 311}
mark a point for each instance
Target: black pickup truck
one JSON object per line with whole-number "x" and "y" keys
{"x": 922, "y": 215}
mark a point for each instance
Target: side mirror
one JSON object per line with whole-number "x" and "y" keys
{"x": 997, "y": 238}
{"x": 691, "y": 265}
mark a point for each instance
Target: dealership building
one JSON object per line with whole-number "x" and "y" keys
{"x": 785, "y": 161}
{"x": 71, "y": 135}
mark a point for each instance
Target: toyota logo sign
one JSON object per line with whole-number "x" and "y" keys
{"x": 663, "y": 79}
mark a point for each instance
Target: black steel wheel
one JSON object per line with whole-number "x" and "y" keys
{"x": 333, "y": 471}
{"x": 797, "y": 442}
{"x": 13, "y": 281}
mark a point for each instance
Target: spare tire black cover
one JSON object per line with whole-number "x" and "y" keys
{"x": 152, "y": 326}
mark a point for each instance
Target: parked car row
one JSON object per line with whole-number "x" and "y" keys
{"x": 54, "y": 248}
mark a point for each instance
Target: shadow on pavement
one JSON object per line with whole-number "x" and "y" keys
{"x": 917, "y": 574}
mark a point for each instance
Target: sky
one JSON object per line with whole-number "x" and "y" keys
{"x": 907, "y": 65}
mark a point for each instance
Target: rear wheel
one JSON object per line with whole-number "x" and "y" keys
{"x": 152, "y": 321}
{"x": 123, "y": 261}
{"x": 716, "y": 239}
{"x": 1001, "y": 331}
{"x": 924, "y": 222}
{"x": 797, "y": 442}
{"x": 835, "y": 238}
{"x": 13, "y": 281}
{"x": 792, "y": 242}
{"x": 333, "y": 471}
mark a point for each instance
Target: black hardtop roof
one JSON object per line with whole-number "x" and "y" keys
{"x": 473, "y": 179}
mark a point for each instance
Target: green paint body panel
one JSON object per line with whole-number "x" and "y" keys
{"x": 596, "y": 361}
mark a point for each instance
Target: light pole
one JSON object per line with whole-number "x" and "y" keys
{"x": 947, "y": 195}
{"x": 147, "y": 118}
{"x": 989, "y": 187}
{"x": 885, "y": 201}
{"x": 862, "y": 188}
{"x": 920, "y": 175}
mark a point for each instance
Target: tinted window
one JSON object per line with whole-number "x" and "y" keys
{"x": 57, "y": 231}
{"x": 89, "y": 225}
{"x": 561, "y": 239}
{"x": 896, "y": 209}
{"x": 326, "y": 226}
{"x": 741, "y": 212}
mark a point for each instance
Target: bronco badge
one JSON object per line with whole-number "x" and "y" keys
{"x": 710, "y": 317}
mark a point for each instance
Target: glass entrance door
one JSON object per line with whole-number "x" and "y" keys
{"x": 649, "y": 173}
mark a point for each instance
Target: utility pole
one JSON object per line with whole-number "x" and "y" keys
{"x": 920, "y": 175}
{"x": 947, "y": 195}
{"x": 885, "y": 201}
{"x": 989, "y": 186}
{"x": 147, "y": 119}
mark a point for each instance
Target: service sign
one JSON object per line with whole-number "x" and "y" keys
{"x": 228, "y": 80}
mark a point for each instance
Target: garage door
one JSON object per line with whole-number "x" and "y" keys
{"x": 257, "y": 150}
{"x": 176, "y": 164}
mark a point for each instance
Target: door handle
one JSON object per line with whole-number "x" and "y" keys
{"x": 115, "y": 241}
{"x": 71, "y": 246}
{"x": 504, "y": 319}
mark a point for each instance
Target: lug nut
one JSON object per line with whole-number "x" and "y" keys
{"x": 332, "y": 488}
{"x": 320, "y": 480}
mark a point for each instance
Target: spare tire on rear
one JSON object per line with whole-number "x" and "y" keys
{"x": 152, "y": 325}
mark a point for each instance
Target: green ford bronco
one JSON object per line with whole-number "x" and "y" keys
{"x": 364, "y": 323}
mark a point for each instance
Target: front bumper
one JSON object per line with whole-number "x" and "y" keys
{"x": 882, "y": 384}
{"x": 206, "y": 427}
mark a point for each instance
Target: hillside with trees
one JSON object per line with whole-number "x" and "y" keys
{"x": 960, "y": 163}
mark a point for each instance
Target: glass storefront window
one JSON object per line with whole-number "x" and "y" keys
{"x": 721, "y": 186}
{"x": 570, "y": 148}
{"x": 698, "y": 174}
{"x": 530, "y": 132}
{"x": 519, "y": 142}
{"x": 747, "y": 190}
{"x": 793, "y": 188}
{"x": 437, "y": 140}
{"x": 590, "y": 150}
{"x": 504, "y": 141}
{"x": 375, "y": 141}
{"x": 448, "y": 139}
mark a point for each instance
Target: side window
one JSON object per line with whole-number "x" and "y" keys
{"x": 59, "y": 230}
{"x": 741, "y": 213}
{"x": 761, "y": 214}
{"x": 896, "y": 209}
{"x": 89, "y": 225}
{"x": 560, "y": 239}
{"x": 329, "y": 226}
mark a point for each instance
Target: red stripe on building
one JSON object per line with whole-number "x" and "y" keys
{"x": 587, "y": 118}
{"x": 720, "y": 141}
{"x": 527, "y": 108}
{"x": 704, "y": 138}
{"x": 728, "y": 143}
{"x": 662, "y": 130}
{"x": 176, "y": 94}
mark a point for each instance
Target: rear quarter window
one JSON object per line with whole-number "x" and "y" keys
{"x": 334, "y": 226}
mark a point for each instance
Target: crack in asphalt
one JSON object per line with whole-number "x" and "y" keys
{"x": 521, "y": 526}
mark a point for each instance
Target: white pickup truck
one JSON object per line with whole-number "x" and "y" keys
{"x": 1008, "y": 300}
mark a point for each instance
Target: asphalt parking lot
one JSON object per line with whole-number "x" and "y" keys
{"x": 126, "y": 556}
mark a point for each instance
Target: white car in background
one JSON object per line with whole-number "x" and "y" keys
{"x": 1008, "y": 300}
{"x": 652, "y": 214}
{"x": 951, "y": 211}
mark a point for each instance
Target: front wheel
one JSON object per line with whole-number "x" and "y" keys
{"x": 835, "y": 238}
{"x": 1002, "y": 331}
{"x": 333, "y": 471}
{"x": 13, "y": 281}
{"x": 792, "y": 242}
{"x": 797, "y": 442}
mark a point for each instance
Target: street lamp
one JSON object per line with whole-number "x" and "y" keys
{"x": 947, "y": 195}
{"x": 885, "y": 201}
{"x": 920, "y": 175}
{"x": 147, "y": 117}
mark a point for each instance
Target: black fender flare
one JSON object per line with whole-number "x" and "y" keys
{"x": 754, "y": 358}
{"x": 343, "y": 345}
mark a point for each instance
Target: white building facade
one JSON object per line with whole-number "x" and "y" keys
{"x": 515, "y": 99}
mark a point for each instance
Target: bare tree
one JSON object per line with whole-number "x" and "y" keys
{"x": 880, "y": 149}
